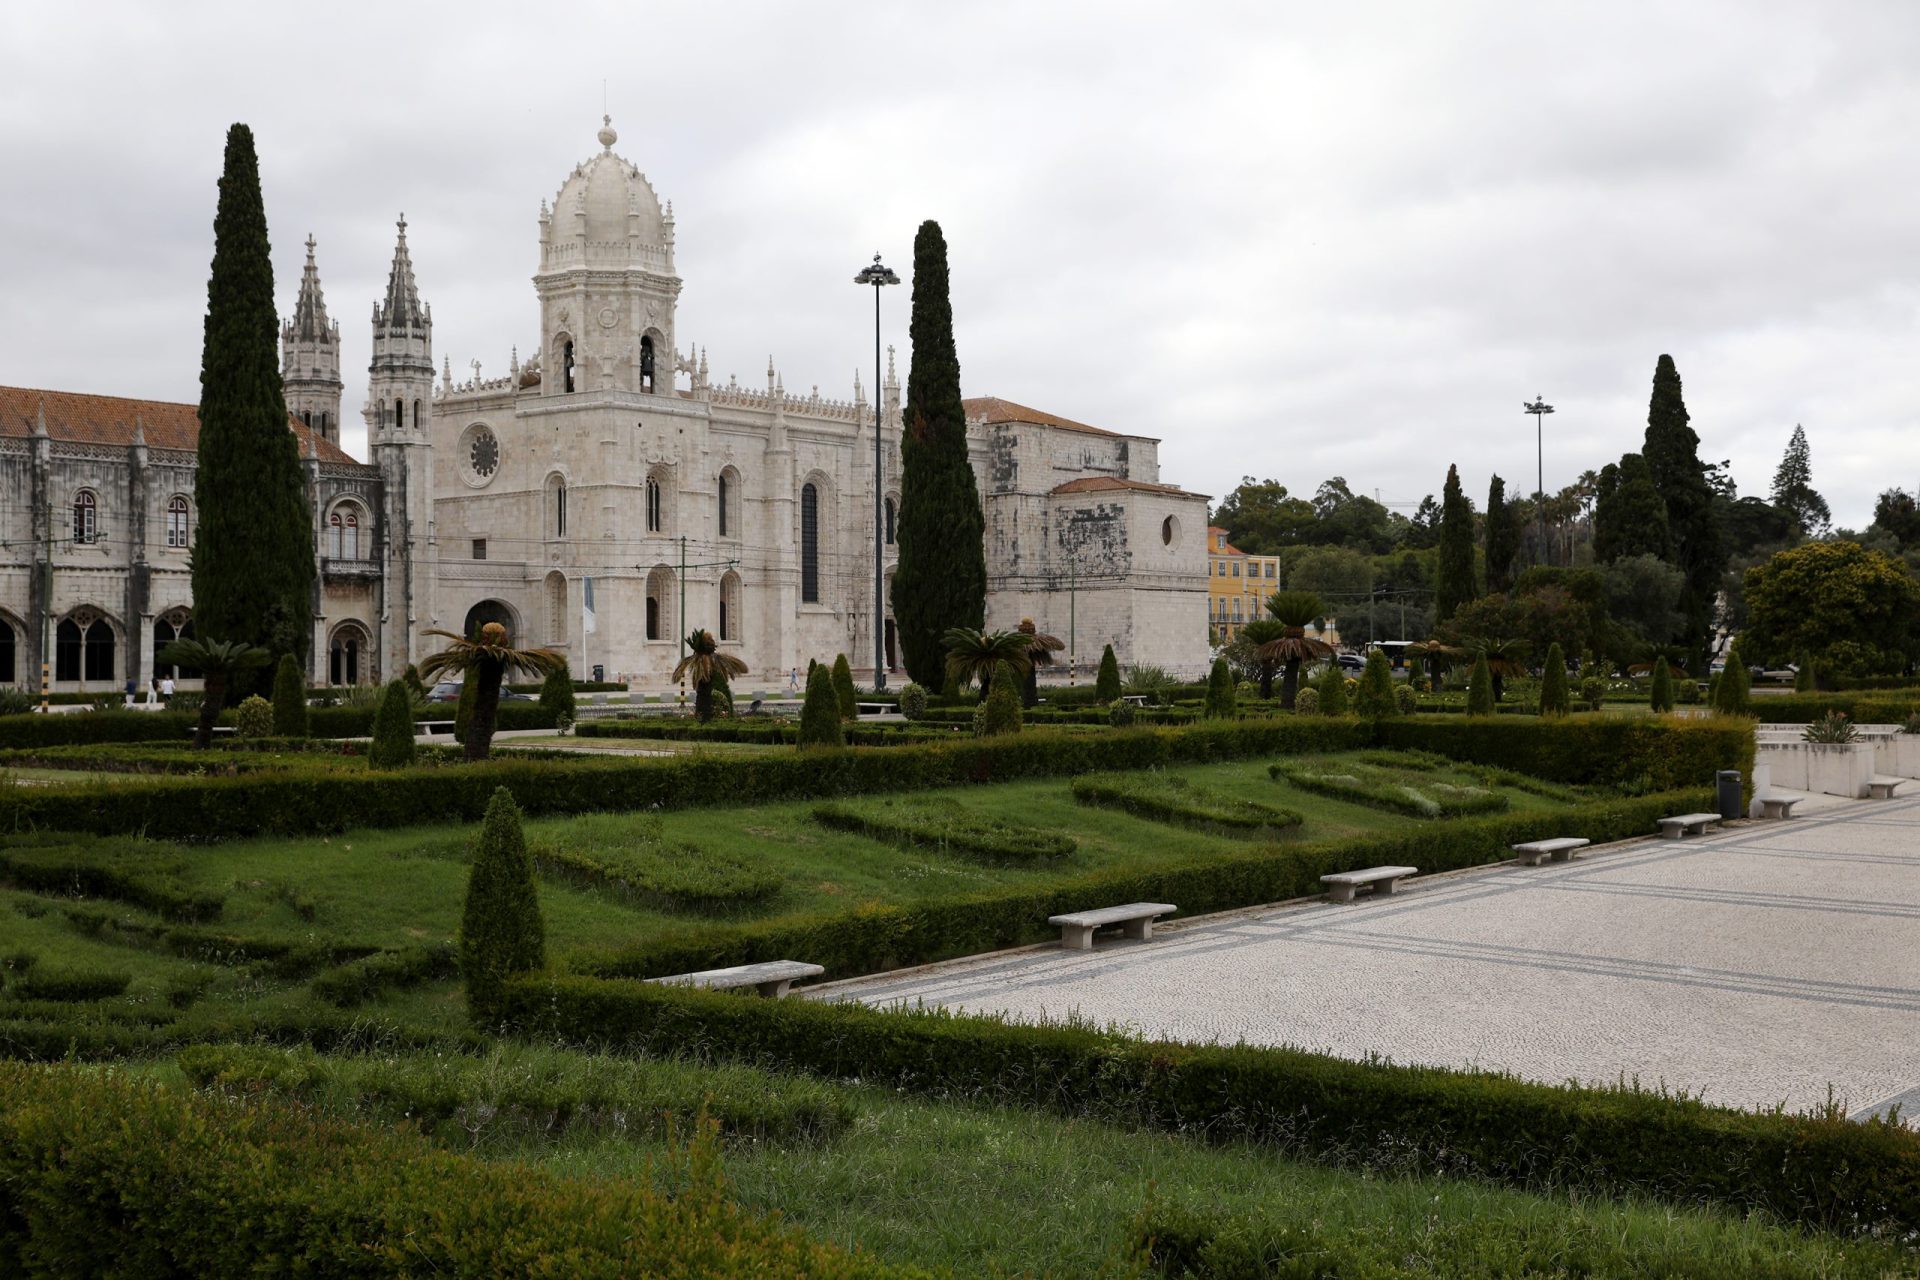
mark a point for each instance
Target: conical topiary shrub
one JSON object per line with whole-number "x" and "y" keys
{"x": 843, "y": 691}
{"x": 820, "y": 713}
{"x": 501, "y": 933}
{"x": 463, "y": 710}
{"x": 1480, "y": 687}
{"x": 556, "y": 696}
{"x": 1554, "y": 700}
{"x": 1002, "y": 707}
{"x": 392, "y": 746}
{"x": 1662, "y": 694}
{"x": 1376, "y": 700}
{"x": 289, "y": 699}
{"x": 1332, "y": 687}
{"x": 1220, "y": 691}
{"x": 1106, "y": 686}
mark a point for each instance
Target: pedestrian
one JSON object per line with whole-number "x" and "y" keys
{"x": 133, "y": 687}
{"x": 793, "y": 680}
{"x": 153, "y": 693}
{"x": 166, "y": 691}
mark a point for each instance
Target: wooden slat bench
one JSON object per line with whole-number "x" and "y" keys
{"x": 1683, "y": 825}
{"x": 1881, "y": 787}
{"x": 1135, "y": 919}
{"x": 1778, "y": 806}
{"x": 1534, "y": 852}
{"x": 1342, "y": 885}
{"x": 769, "y": 978}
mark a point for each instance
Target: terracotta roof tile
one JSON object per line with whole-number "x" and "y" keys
{"x": 992, "y": 410}
{"x": 109, "y": 420}
{"x": 1109, "y": 484}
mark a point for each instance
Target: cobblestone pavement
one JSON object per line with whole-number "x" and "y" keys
{"x": 1754, "y": 966}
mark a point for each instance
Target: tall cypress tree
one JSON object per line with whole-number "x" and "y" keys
{"x": 942, "y": 578}
{"x": 1673, "y": 455}
{"x": 1503, "y": 538}
{"x": 1454, "y": 573}
{"x": 1629, "y": 519}
{"x": 253, "y": 550}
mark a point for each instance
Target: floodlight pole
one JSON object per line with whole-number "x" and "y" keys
{"x": 878, "y": 275}
{"x": 1540, "y": 409}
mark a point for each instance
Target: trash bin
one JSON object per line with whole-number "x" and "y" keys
{"x": 1728, "y": 781}
{"x": 600, "y": 675}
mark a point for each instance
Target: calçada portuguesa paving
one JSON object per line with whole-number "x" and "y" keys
{"x": 1754, "y": 966}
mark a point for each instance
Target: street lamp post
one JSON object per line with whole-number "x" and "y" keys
{"x": 878, "y": 275}
{"x": 1540, "y": 409}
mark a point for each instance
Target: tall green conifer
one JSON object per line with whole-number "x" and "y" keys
{"x": 1503, "y": 537}
{"x": 253, "y": 549}
{"x": 942, "y": 578}
{"x": 1673, "y": 455}
{"x": 1455, "y": 579}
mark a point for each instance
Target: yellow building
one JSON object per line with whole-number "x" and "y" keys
{"x": 1238, "y": 585}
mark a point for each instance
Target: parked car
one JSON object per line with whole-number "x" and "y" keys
{"x": 449, "y": 691}
{"x": 1352, "y": 662}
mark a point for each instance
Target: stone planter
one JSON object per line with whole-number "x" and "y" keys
{"x": 1834, "y": 769}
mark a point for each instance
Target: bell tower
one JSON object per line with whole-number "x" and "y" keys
{"x": 310, "y": 358}
{"x": 399, "y": 412}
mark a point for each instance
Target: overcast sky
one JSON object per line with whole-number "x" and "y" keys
{"x": 1291, "y": 240}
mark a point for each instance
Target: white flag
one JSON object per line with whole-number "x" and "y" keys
{"x": 587, "y": 625}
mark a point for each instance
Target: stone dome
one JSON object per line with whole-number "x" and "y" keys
{"x": 607, "y": 207}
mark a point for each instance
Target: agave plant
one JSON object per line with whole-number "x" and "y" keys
{"x": 1293, "y": 610}
{"x": 1040, "y": 650}
{"x": 973, "y": 655}
{"x": 486, "y": 659}
{"x": 703, "y": 665}
{"x": 218, "y": 661}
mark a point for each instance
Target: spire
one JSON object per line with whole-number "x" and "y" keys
{"x": 403, "y": 309}
{"x": 310, "y": 312}
{"x": 893, "y": 379}
{"x": 40, "y": 418}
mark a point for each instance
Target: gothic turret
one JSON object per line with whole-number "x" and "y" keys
{"x": 401, "y": 375}
{"x": 310, "y": 357}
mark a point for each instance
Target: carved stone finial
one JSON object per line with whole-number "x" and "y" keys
{"x": 607, "y": 135}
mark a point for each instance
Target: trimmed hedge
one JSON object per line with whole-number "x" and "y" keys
{"x": 769, "y": 732}
{"x": 949, "y": 831}
{"x": 1158, "y": 797}
{"x": 1636, "y": 753}
{"x": 108, "y": 1175}
{"x": 1870, "y": 707}
{"x": 875, "y": 937}
{"x": 1822, "y": 1170}
{"x": 359, "y": 981}
{"x": 42, "y": 983}
{"x": 659, "y": 875}
{"x": 1380, "y": 789}
{"x": 115, "y": 870}
{"x": 84, "y": 727}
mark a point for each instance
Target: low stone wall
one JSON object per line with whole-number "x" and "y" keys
{"x": 1834, "y": 769}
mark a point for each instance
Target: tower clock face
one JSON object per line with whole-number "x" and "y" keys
{"x": 483, "y": 453}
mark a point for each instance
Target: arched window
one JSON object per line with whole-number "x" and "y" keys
{"x": 346, "y": 655}
{"x": 86, "y": 513}
{"x": 177, "y": 521}
{"x": 730, "y": 606}
{"x": 660, "y": 601}
{"x": 556, "y": 506}
{"x": 416, "y": 415}
{"x": 399, "y": 413}
{"x": 646, "y": 363}
{"x": 722, "y": 496}
{"x": 165, "y": 631}
{"x": 889, "y": 506}
{"x": 83, "y": 653}
{"x": 809, "y": 544}
{"x": 655, "y": 519}
{"x": 566, "y": 365}
{"x": 556, "y": 608}
{"x": 8, "y": 640}
{"x": 323, "y": 424}
{"x": 306, "y": 417}
{"x": 343, "y": 532}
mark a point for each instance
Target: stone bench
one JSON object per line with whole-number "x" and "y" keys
{"x": 431, "y": 727}
{"x": 1683, "y": 825}
{"x": 770, "y": 978}
{"x": 1881, "y": 787}
{"x": 1342, "y": 885}
{"x": 873, "y": 708}
{"x": 1135, "y": 919}
{"x": 1778, "y": 806}
{"x": 1534, "y": 852}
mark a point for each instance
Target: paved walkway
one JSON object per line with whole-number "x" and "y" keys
{"x": 1755, "y": 966}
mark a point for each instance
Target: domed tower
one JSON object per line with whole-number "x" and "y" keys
{"x": 606, "y": 283}
{"x": 310, "y": 357}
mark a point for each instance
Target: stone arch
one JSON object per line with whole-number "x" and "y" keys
{"x": 660, "y": 504}
{"x": 86, "y": 647}
{"x": 555, "y": 589}
{"x": 168, "y": 626}
{"x": 731, "y": 603}
{"x": 653, "y": 344}
{"x": 13, "y": 633}
{"x": 492, "y": 611}
{"x": 565, "y": 379}
{"x": 813, "y": 533}
{"x": 178, "y": 533}
{"x": 554, "y": 514}
{"x": 662, "y": 616}
{"x": 349, "y": 531}
{"x": 727, "y": 502}
{"x": 350, "y": 653}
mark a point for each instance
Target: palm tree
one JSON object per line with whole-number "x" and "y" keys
{"x": 702, "y": 664}
{"x": 973, "y": 655}
{"x": 218, "y": 662}
{"x": 1040, "y": 651}
{"x": 1294, "y": 610}
{"x": 1258, "y": 634}
{"x": 486, "y": 659}
{"x": 1437, "y": 655}
{"x": 1504, "y": 658}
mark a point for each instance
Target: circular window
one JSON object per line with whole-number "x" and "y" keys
{"x": 1169, "y": 530}
{"x": 482, "y": 454}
